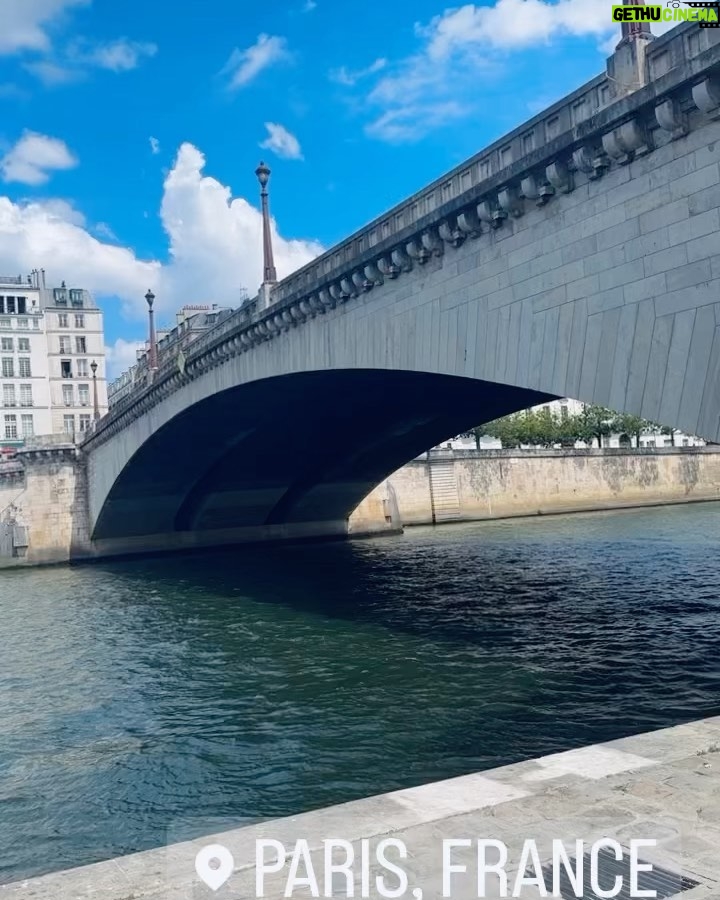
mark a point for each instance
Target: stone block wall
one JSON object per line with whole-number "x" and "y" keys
{"x": 505, "y": 483}
{"x": 45, "y": 502}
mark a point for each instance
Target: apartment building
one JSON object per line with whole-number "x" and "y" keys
{"x": 49, "y": 339}
{"x": 75, "y": 339}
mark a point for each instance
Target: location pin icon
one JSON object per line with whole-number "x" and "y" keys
{"x": 214, "y": 864}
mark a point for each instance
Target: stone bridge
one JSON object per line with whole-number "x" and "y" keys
{"x": 578, "y": 256}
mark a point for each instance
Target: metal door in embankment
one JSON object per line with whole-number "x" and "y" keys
{"x": 6, "y": 539}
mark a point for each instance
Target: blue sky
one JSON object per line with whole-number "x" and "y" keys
{"x": 130, "y": 131}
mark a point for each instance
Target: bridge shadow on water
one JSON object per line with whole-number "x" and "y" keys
{"x": 590, "y": 624}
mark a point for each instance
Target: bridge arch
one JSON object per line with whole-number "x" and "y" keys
{"x": 586, "y": 267}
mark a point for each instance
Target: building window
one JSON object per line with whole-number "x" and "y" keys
{"x": 8, "y": 367}
{"x": 23, "y": 345}
{"x": 76, "y": 297}
{"x": 7, "y": 344}
{"x": 24, "y": 363}
{"x": 24, "y": 324}
{"x": 79, "y": 320}
{"x": 36, "y": 324}
{"x": 82, "y": 368}
{"x": 5, "y": 323}
{"x": 10, "y": 304}
{"x": 11, "y": 427}
{"x": 60, "y": 295}
{"x": 28, "y": 428}
{"x": 84, "y": 394}
{"x": 84, "y": 422}
{"x": 62, "y": 320}
{"x": 8, "y": 395}
{"x": 505, "y": 156}
{"x": 65, "y": 345}
{"x": 686, "y": 442}
{"x": 67, "y": 394}
{"x": 563, "y": 412}
{"x": 66, "y": 368}
{"x": 26, "y": 395}
{"x": 22, "y": 307}
{"x": 80, "y": 345}
{"x": 69, "y": 424}
{"x": 528, "y": 142}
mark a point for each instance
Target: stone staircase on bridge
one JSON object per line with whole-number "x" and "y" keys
{"x": 443, "y": 486}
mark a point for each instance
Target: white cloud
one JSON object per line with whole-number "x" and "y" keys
{"x": 51, "y": 74}
{"x": 310, "y": 5}
{"x": 154, "y": 146}
{"x": 350, "y": 78}
{"x": 24, "y": 23}
{"x": 120, "y": 55}
{"x": 215, "y": 245}
{"x": 244, "y": 65}
{"x": 462, "y": 48}
{"x": 34, "y": 157}
{"x": 281, "y": 142}
{"x": 409, "y": 123}
{"x": 121, "y": 356}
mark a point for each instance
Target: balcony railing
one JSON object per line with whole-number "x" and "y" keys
{"x": 11, "y": 279}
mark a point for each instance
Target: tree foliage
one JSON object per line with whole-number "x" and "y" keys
{"x": 546, "y": 428}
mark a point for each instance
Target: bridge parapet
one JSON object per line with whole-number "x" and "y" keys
{"x": 595, "y": 129}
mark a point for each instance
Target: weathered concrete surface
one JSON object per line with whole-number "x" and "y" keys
{"x": 662, "y": 786}
{"x": 576, "y": 257}
{"x": 46, "y": 497}
{"x": 494, "y": 484}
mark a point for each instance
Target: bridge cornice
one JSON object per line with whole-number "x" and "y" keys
{"x": 613, "y": 136}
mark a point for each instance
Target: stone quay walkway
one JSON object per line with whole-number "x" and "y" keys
{"x": 661, "y": 787}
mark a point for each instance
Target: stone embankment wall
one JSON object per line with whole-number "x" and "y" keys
{"x": 494, "y": 484}
{"x": 43, "y": 505}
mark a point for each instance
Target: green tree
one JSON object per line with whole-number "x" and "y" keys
{"x": 595, "y": 422}
{"x": 633, "y": 426}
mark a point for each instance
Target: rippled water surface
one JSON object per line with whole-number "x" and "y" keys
{"x": 264, "y": 682}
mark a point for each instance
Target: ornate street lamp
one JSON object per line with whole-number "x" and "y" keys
{"x": 269, "y": 272}
{"x": 96, "y": 405}
{"x": 150, "y": 298}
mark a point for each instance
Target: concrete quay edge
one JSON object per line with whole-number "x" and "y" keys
{"x": 663, "y": 785}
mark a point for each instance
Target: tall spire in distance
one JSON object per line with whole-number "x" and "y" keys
{"x": 269, "y": 272}
{"x": 634, "y": 31}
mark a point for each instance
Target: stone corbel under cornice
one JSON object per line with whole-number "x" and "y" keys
{"x": 432, "y": 241}
{"x": 469, "y": 222}
{"x": 509, "y": 200}
{"x": 671, "y": 118}
{"x": 706, "y": 96}
{"x": 490, "y": 212}
{"x": 373, "y": 275}
{"x": 416, "y": 251}
{"x": 560, "y": 176}
{"x": 450, "y": 233}
{"x": 591, "y": 160}
{"x": 401, "y": 258}
{"x": 536, "y": 188}
{"x": 627, "y": 141}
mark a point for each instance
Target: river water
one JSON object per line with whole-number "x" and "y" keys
{"x": 231, "y": 687}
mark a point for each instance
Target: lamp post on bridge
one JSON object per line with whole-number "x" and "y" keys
{"x": 152, "y": 361}
{"x": 96, "y": 405}
{"x": 269, "y": 272}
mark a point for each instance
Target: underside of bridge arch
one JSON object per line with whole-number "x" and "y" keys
{"x": 303, "y": 448}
